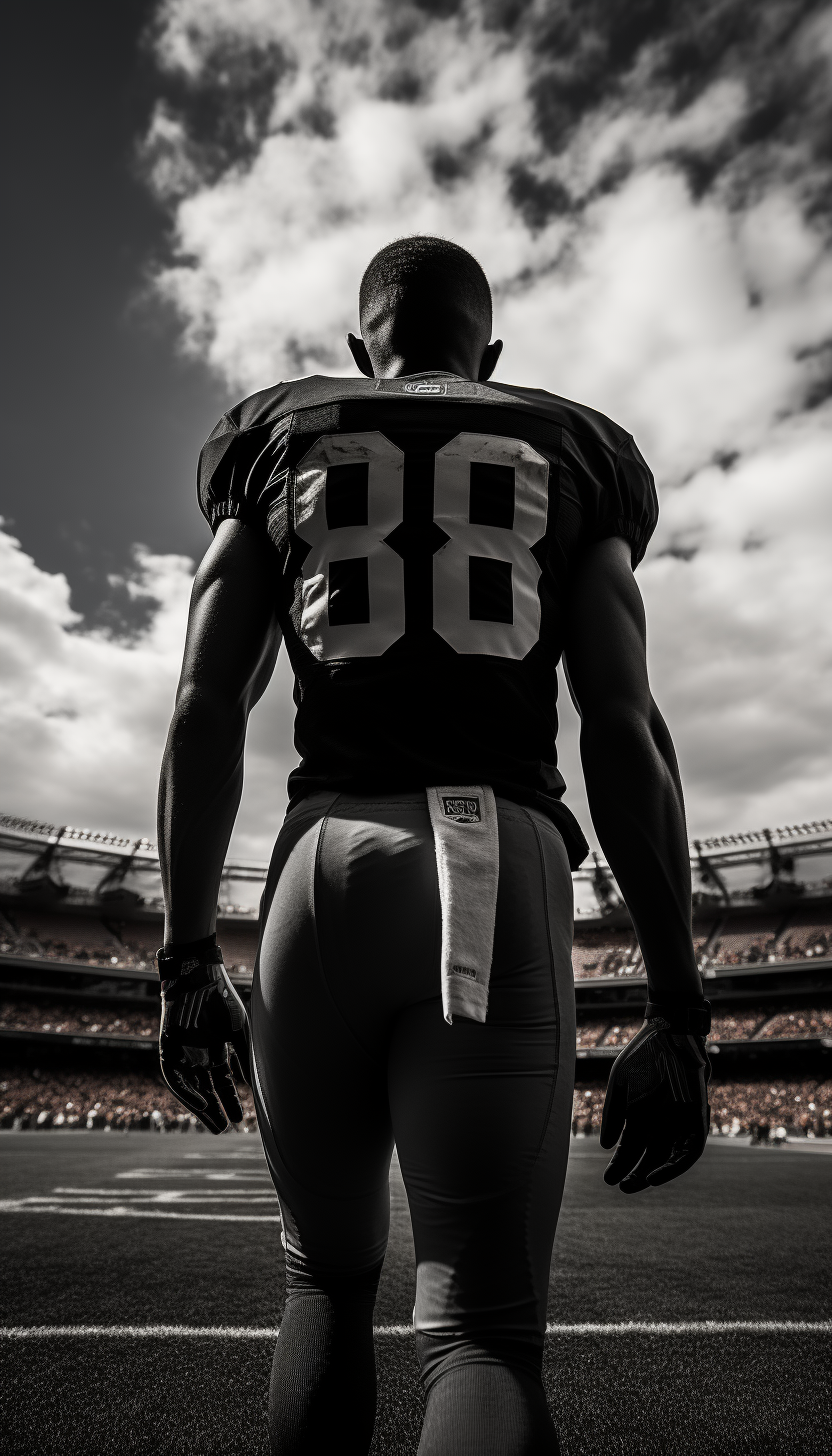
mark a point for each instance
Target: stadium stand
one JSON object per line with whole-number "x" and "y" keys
{"x": 81, "y": 918}
{"x": 63, "y": 1096}
{"x": 761, "y": 1108}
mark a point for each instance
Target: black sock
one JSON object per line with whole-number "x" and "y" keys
{"x": 487, "y": 1409}
{"x": 323, "y": 1389}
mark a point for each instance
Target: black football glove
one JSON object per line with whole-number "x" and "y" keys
{"x": 657, "y": 1099}
{"x": 201, "y": 1015}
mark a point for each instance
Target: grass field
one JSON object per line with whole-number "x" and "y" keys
{"x": 142, "y": 1281}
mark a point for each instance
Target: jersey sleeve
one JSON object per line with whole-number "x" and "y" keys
{"x": 220, "y": 489}
{"x": 226, "y": 474}
{"x": 634, "y": 510}
{"x": 614, "y": 489}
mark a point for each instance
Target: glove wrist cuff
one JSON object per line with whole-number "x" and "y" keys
{"x": 688, "y": 1020}
{"x": 181, "y": 959}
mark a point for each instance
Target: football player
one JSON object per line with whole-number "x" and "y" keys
{"x": 428, "y": 544}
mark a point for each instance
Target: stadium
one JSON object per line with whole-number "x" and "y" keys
{"x": 358, "y": 355}
{"x": 82, "y": 917}
{"x": 144, "y": 1280}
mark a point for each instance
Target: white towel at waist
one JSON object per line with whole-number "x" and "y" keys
{"x": 467, "y": 843}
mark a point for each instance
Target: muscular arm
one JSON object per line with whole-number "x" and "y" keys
{"x": 632, "y": 778}
{"x": 230, "y": 651}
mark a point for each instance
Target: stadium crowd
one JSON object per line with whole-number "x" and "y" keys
{"x": 614, "y": 952}
{"x": 758, "y": 1108}
{"x": 121, "y": 1100}
{"x": 104, "y": 951}
{"x": 742, "y": 950}
{"x": 761, "y": 1023}
{"x": 120, "y": 954}
{"x": 799, "y": 1023}
{"x": 33, "y": 1097}
{"x": 91, "y": 1098}
{"x": 596, "y": 953}
{"x": 60, "y": 1017}
{"x": 758, "y": 1023}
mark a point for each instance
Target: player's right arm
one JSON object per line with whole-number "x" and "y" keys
{"x": 635, "y": 798}
{"x": 231, "y": 647}
{"x": 230, "y": 651}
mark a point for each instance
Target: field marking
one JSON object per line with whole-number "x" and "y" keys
{"x": 204, "y": 1173}
{"x": 248, "y": 1332}
{"x": 218, "y": 1157}
{"x": 89, "y": 1202}
{"x": 20, "y": 1205}
{"x": 696, "y": 1327}
{"x": 154, "y": 1195}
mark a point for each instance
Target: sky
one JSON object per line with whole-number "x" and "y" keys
{"x": 199, "y": 187}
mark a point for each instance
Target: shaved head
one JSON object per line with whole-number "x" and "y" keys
{"x": 433, "y": 272}
{"x": 424, "y": 299}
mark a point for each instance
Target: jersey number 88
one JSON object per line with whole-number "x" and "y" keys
{"x": 490, "y": 499}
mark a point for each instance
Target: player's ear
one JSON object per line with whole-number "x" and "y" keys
{"x": 358, "y": 349}
{"x": 488, "y": 363}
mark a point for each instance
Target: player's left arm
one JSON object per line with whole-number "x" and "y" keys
{"x": 231, "y": 647}
{"x": 657, "y": 1093}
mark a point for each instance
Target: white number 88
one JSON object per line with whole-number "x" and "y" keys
{"x": 485, "y": 577}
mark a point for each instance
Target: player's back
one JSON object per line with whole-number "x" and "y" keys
{"x": 424, "y": 530}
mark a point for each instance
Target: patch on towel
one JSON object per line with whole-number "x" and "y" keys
{"x": 462, "y": 811}
{"x": 464, "y": 971}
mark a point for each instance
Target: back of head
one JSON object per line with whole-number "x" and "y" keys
{"x": 421, "y": 292}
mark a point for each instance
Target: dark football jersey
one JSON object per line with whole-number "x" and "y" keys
{"x": 424, "y": 530}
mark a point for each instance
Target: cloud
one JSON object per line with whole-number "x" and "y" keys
{"x": 648, "y": 189}
{"x": 84, "y": 716}
{"x": 648, "y": 192}
{"x": 750, "y": 690}
{"x": 740, "y": 634}
{"x": 648, "y": 201}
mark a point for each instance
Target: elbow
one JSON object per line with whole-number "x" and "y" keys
{"x": 617, "y": 720}
{"x": 200, "y": 705}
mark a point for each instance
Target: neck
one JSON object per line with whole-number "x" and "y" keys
{"x": 393, "y": 366}
{"x": 397, "y": 367}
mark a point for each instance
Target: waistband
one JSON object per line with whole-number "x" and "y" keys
{"x": 349, "y": 805}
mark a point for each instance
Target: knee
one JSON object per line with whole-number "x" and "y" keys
{"x": 341, "y": 1286}
{"x": 439, "y": 1354}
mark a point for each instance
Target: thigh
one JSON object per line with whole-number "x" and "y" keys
{"x": 379, "y": 921}
{"x": 482, "y": 1112}
{"x": 321, "y": 1094}
{"x": 350, "y": 933}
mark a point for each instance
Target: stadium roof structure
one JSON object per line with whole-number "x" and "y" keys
{"x": 45, "y": 864}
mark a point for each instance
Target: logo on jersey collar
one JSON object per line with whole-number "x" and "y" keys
{"x": 462, "y": 811}
{"x": 424, "y": 386}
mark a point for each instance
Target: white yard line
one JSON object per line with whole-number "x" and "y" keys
{"x": 134, "y": 1203}
{"x": 249, "y": 1332}
{"x": 22, "y": 1205}
{"x": 697, "y": 1327}
{"x": 136, "y": 1195}
{"x": 204, "y": 1173}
